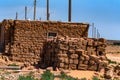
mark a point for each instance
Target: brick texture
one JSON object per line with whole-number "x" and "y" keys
{"x": 67, "y": 53}
{"x": 27, "y": 42}
{"x": 24, "y": 41}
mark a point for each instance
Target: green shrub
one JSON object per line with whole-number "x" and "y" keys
{"x": 2, "y": 78}
{"x": 83, "y": 79}
{"x": 47, "y": 75}
{"x": 28, "y": 77}
{"x": 13, "y": 64}
{"x": 111, "y": 62}
{"x": 95, "y": 78}
{"x": 66, "y": 77}
{"x": 116, "y": 43}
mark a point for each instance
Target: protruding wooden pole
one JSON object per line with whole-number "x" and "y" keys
{"x": 69, "y": 11}
{"x": 92, "y": 30}
{"x": 16, "y": 16}
{"x": 25, "y": 12}
{"x": 98, "y": 34}
{"x": 48, "y": 14}
{"x": 34, "y": 18}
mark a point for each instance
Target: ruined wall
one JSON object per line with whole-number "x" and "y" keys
{"x": 75, "y": 53}
{"x": 24, "y": 40}
{"x": 6, "y": 33}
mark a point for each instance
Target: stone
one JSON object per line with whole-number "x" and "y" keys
{"x": 75, "y": 61}
{"x": 61, "y": 65}
{"x": 108, "y": 73}
{"x": 74, "y": 56}
{"x": 82, "y": 67}
{"x": 72, "y": 66}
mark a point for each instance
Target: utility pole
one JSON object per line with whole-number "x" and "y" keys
{"x": 16, "y": 16}
{"x": 92, "y": 30}
{"x": 34, "y": 18}
{"x": 25, "y": 12}
{"x": 98, "y": 34}
{"x": 69, "y": 11}
{"x": 48, "y": 14}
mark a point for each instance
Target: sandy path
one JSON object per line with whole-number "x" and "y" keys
{"x": 114, "y": 57}
{"x": 81, "y": 74}
{"x": 78, "y": 73}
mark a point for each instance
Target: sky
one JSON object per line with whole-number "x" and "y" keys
{"x": 105, "y": 14}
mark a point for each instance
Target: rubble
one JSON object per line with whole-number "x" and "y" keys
{"x": 112, "y": 72}
{"x": 109, "y": 72}
{"x": 75, "y": 53}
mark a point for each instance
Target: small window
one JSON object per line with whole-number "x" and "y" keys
{"x": 51, "y": 34}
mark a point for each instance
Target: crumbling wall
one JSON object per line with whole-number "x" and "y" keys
{"x": 27, "y": 42}
{"x": 6, "y": 34}
{"x": 75, "y": 53}
{"x": 24, "y": 40}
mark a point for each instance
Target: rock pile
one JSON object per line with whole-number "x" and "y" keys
{"x": 109, "y": 72}
{"x": 75, "y": 53}
{"x": 112, "y": 72}
{"x": 117, "y": 70}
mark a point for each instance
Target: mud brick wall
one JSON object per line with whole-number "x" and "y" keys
{"x": 24, "y": 40}
{"x": 76, "y": 53}
{"x": 6, "y": 32}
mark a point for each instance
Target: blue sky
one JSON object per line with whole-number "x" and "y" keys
{"x": 105, "y": 14}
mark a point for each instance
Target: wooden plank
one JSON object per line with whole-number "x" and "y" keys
{"x": 10, "y": 67}
{"x": 24, "y": 70}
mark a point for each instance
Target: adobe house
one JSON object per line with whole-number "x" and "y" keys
{"x": 48, "y": 43}
{"x": 23, "y": 40}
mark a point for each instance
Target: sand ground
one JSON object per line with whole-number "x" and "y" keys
{"x": 113, "y": 53}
